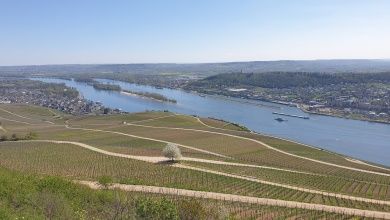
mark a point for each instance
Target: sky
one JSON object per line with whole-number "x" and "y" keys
{"x": 36, "y": 32}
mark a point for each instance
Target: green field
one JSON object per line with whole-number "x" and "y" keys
{"x": 146, "y": 134}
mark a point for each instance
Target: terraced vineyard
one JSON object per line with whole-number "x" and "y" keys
{"x": 48, "y": 193}
{"x": 313, "y": 181}
{"x": 218, "y": 157}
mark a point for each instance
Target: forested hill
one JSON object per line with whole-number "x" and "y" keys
{"x": 289, "y": 79}
{"x": 203, "y": 69}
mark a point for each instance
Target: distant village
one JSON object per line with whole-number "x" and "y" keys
{"x": 358, "y": 101}
{"x": 55, "y": 96}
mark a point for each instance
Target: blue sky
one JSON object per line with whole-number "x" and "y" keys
{"x": 149, "y": 31}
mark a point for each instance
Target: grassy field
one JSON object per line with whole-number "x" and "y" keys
{"x": 132, "y": 133}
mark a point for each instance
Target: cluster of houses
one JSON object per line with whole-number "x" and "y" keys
{"x": 75, "y": 105}
{"x": 366, "y": 101}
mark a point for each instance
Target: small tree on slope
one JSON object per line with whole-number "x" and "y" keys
{"x": 172, "y": 152}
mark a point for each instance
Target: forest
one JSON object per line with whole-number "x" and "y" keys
{"x": 282, "y": 80}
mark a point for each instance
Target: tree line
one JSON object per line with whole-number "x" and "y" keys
{"x": 280, "y": 80}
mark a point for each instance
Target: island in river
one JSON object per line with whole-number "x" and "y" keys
{"x": 149, "y": 95}
{"x": 116, "y": 88}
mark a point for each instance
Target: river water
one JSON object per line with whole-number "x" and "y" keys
{"x": 359, "y": 139}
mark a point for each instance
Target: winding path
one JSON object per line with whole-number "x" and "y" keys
{"x": 146, "y": 138}
{"x": 264, "y": 144}
{"x": 346, "y": 158}
{"x": 11, "y": 120}
{"x": 161, "y": 159}
{"x": 238, "y": 198}
{"x": 21, "y": 116}
{"x": 14, "y": 114}
{"x": 152, "y": 119}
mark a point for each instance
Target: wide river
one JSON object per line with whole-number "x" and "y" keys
{"x": 359, "y": 139}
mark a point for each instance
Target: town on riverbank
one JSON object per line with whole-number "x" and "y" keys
{"x": 358, "y": 93}
{"x": 51, "y": 95}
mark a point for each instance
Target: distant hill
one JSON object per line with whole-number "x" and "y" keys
{"x": 208, "y": 69}
{"x": 288, "y": 79}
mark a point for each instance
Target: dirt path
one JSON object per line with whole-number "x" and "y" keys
{"x": 22, "y": 122}
{"x": 364, "y": 163}
{"x": 209, "y": 126}
{"x": 20, "y": 116}
{"x": 2, "y": 129}
{"x": 244, "y": 199}
{"x": 245, "y": 165}
{"x": 162, "y": 159}
{"x": 24, "y": 117}
{"x": 146, "y": 138}
{"x": 152, "y": 119}
{"x": 264, "y": 144}
{"x": 89, "y": 147}
{"x": 252, "y": 179}
{"x": 55, "y": 114}
{"x": 27, "y": 123}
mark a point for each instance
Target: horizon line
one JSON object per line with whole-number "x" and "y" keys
{"x": 211, "y": 62}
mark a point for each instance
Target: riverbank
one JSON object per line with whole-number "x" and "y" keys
{"x": 333, "y": 114}
{"x": 291, "y": 104}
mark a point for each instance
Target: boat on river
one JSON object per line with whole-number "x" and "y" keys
{"x": 280, "y": 119}
{"x": 290, "y": 115}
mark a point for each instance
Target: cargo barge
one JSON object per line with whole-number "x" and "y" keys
{"x": 289, "y": 115}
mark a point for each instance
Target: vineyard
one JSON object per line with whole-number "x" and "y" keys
{"x": 323, "y": 182}
{"x": 69, "y": 200}
{"x": 73, "y": 162}
{"x": 218, "y": 157}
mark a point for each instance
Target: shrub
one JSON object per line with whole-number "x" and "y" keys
{"x": 105, "y": 181}
{"x": 4, "y": 138}
{"x": 31, "y": 136}
{"x": 161, "y": 209}
{"x": 192, "y": 209}
{"x": 15, "y": 137}
{"x": 54, "y": 205}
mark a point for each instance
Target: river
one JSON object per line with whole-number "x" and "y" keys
{"x": 359, "y": 139}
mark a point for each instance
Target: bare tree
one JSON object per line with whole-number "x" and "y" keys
{"x": 172, "y": 152}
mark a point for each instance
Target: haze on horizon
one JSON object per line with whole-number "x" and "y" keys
{"x": 176, "y": 31}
